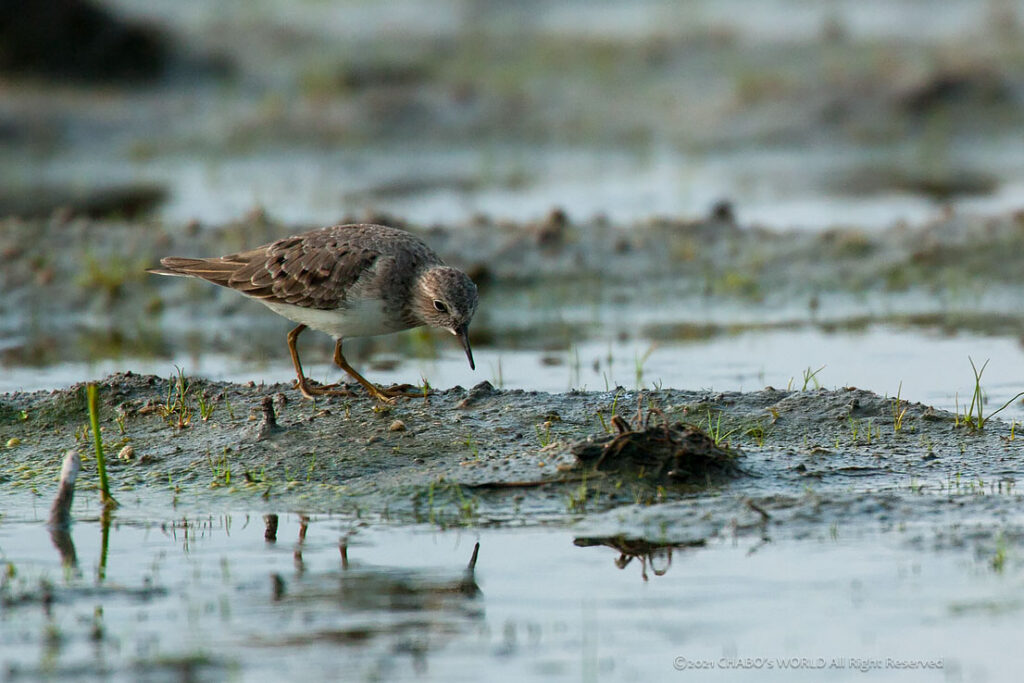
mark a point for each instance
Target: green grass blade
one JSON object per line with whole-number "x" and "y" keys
{"x": 101, "y": 462}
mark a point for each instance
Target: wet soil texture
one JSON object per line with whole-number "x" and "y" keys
{"x": 809, "y": 458}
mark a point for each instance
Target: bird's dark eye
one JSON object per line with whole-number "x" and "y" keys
{"x": 439, "y": 306}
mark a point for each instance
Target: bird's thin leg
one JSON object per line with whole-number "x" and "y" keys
{"x": 340, "y": 361}
{"x": 387, "y": 395}
{"x": 303, "y": 385}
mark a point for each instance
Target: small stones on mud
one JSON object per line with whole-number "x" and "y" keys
{"x": 127, "y": 453}
{"x": 376, "y": 438}
{"x": 397, "y": 426}
{"x": 13, "y": 442}
{"x": 675, "y": 453}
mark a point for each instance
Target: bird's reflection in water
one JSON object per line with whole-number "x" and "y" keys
{"x": 657, "y": 556}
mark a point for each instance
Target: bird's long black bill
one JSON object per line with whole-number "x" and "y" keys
{"x": 463, "y": 334}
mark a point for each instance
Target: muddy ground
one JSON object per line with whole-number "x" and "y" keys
{"x": 75, "y": 289}
{"x": 804, "y": 461}
{"x": 810, "y": 458}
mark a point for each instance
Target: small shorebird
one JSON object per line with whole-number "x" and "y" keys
{"x": 348, "y": 281}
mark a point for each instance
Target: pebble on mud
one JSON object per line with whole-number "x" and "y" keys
{"x": 13, "y": 442}
{"x": 127, "y": 453}
{"x": 397, "y": 426}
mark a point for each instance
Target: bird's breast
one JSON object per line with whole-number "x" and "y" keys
{"x": 360, "y": 318}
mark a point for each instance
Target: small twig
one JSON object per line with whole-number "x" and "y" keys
{"x": 60, "y": 511}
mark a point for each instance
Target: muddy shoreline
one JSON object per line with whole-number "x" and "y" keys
{"x": 810, "y": 459}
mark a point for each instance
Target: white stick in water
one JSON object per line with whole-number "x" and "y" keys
{"x": 60, "y": 511}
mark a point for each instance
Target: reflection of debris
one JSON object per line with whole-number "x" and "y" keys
{"x": 277, "y": 586}
{"x": 270, "y": 531}
{"x": 676, "y": 452}
{"x": 381, "y": 602}
{"x": 649, "y": 553}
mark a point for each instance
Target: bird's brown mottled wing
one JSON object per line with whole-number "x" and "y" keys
{"x": 312, "y": 270}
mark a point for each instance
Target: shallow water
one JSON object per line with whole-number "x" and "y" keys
{"x": 780, "y": 189}
{"x": 927, "y": 365}
{"x": 196, "y": 594}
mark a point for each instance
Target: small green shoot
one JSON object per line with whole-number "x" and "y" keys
{"x": 471, "y": 445}
{"x": 467, "y": 505}
{"x": 205, "y": 406}
{"x": 615, "y": 403}
{"x": 999, "y": 557}
{"x": 578, "y": 498}
{"x": 312, "y": 467}
{"x": 543, "y": 433}
{"x": 101, "y": 463}
{"x": 714, "y": 429}
{"x": 175, "y": 409}
{"x": 757, "y": 432}
{"x": 974, "y": 416}
{"x": 221, "y": 469}
{"x": 811, "y": 377}
{"x": 899, "y": 411}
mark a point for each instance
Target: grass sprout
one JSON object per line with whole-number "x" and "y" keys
{"x": 974, "y": 417}
{"x": 101, "y": 462}
{"x": 899, "y": 411}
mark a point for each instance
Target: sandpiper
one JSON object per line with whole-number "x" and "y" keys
{"x": 348, "y": 281}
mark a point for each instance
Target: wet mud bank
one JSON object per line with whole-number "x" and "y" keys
{"x": 795, "y": 462}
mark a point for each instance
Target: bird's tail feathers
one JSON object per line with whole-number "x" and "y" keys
{"x": 215, "y": 270}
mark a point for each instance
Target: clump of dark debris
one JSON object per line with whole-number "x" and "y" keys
{"x": 666, "y": 452}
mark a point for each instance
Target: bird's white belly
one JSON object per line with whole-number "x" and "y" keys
{"x": 362, "y": 318}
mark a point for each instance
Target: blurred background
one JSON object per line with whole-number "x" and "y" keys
{"x": 791, "y": 157}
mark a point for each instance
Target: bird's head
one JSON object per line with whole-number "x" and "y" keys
{"x": 447, "y": 298}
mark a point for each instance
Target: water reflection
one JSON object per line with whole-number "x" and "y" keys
{"x": 386, "y": 603}
{"x": 657, "y": 556}
{"x": 322, "y": 601}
